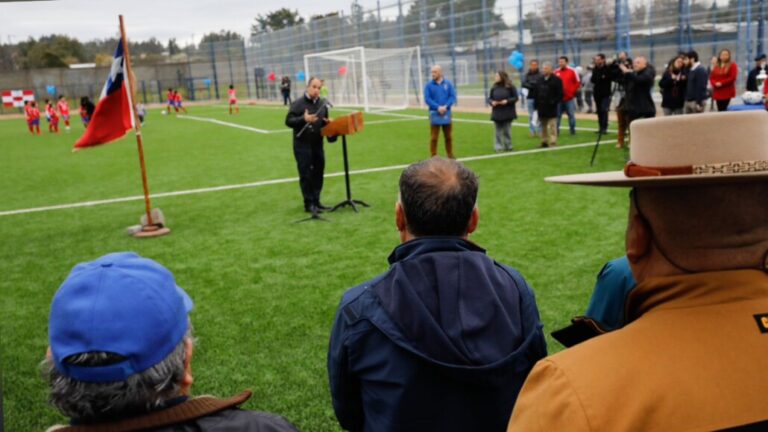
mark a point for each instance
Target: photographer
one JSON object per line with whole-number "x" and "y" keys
{"x": 601, "y": 82}
{"x": 619, "y": 77}
{"x": 639, "y": 82}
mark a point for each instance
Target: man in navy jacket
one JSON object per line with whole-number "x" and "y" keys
{"x": 440, "y": 95}
{"x": 445, "y": 338}
{"x": 696, "y": 89}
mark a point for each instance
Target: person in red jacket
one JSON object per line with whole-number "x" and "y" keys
{"x": 571, "y": 84}
{"x": 723, "y": 80}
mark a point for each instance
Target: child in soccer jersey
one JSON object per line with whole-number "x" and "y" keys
{"x": 171, "y": 96}
{"x": 63, "y": 107}
{"x": 178, "y": 100}
{"x": 86, "y": 110}
{"x": 48, "y": 106}
{"x": 52, "y": 116}
{"x": 33, "y": 117}
{"x": 233, "y": 99}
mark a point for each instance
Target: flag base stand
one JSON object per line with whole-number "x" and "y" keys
{"x": 152, "y": 231}
{"x": 145, "y": 229}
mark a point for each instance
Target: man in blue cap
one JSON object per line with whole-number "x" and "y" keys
{"x": 121, "y": 350}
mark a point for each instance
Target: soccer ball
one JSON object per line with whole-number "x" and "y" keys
{"x": 163, "y": 112}
{"x": 432, "y": 25}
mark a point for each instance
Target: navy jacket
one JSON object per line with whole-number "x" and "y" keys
{"x": 441, "y": 341}
{"x": 696, "y": 90}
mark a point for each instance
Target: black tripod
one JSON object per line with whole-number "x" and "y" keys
{"x": 349, "y": 201}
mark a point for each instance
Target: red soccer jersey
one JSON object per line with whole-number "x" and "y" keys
{"x": 63, "y": 107}
{"x": 28, "y": 112}
{"x": 178, "y": 97}
{"x": 232, "y": 94}
{"x": 49, "y": 111}
{"x": 34, "y": 114}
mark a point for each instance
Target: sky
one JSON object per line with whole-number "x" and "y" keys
{"x": 163, "y": 19}
{"x": 185, "y": 20}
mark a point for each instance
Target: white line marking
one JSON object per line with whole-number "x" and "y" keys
{"x": 277, "y": 181}
{"x": 277, "y": 131}
{"x": 220, "y": 122}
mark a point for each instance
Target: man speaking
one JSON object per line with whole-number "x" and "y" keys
{"x": 307, "y": 116}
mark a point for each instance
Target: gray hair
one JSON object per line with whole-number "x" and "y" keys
{"x": 140, "y": 393}
{"x": 546, "y": 64}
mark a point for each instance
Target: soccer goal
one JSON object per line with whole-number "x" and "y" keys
{"x": 372, "y": 78}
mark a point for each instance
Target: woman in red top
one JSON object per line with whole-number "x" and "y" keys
{"x": 723, "y": 80}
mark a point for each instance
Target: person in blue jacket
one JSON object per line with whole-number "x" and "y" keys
{"x": 444, "y": 339}
{"x": 440, "y": 95}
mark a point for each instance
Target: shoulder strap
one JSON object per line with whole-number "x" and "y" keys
{"x": 183, "y": 412}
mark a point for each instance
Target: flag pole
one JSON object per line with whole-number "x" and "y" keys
{"x": 150, "y": 226}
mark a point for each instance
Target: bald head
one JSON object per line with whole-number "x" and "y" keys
{"x": 701, "y": 228}
{"x": 437, "y": 72}
{"x": 438, "y": 197}
{"x": 640, "y": 63}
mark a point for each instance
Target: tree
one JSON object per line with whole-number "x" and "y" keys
{"x": 173, "y": 47}
{"x": 50, "y": 51}
{"x": 221, "y": 36}
{"x": 276, "y": 20}
{"x": 321, "y": 17}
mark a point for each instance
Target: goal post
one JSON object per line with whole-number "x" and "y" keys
{"x": 370, "y": 78}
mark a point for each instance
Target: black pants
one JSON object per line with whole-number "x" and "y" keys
{"x": 310, "y": 161}
{"x": 286, "y": 98}
{"x": 603, "y": 105}
{"x": 722, "y": 105}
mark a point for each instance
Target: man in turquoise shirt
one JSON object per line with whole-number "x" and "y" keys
{"x": 440, "y": 95}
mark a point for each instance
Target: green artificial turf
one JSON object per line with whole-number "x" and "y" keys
{"x": 266, "y": 288}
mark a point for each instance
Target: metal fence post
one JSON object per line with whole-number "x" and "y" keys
{"x": 485, "y": 48}
{"x": 452, "y": 44}
{"x": 761, "y": 28}
{"x": 215, "y": 75}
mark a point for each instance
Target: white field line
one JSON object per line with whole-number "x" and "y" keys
{"x": 277, "y": 131}
{"x": 374, "y": 122}
{"x": 223, "y": 123}
{"x": 465, "y": 120}
{"x": 277, "y": 181}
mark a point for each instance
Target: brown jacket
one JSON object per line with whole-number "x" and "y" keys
{"x": 694, "y": 358}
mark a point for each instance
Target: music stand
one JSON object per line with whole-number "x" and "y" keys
{"x": 343, "y": 126}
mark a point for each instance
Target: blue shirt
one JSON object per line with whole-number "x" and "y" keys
{"x": 614, "y": 283}
{"x": 437, "y": 95}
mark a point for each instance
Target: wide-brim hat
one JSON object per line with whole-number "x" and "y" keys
{"x": 709, "y": 148}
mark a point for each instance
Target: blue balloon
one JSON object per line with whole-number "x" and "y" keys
{"x": 517, "y": 60}
{"x": 50, "y": 89}
{"x": 300, "y": 75}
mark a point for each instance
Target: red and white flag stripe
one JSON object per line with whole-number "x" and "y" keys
{"x": 16, "y": 98}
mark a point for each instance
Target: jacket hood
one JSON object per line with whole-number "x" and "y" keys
{"x": 446, "y": 301}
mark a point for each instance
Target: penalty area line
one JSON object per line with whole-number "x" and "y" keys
{"x": 280, "y": 181}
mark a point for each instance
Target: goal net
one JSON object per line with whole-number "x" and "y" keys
{"x": 371, "y": 78}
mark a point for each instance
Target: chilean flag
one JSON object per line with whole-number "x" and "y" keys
{"x": 113, "y": 116}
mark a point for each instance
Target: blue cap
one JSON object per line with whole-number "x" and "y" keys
{"x": 120, "y": 303}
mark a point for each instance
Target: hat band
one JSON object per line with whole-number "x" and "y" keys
{"x": 632, "y": 169}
